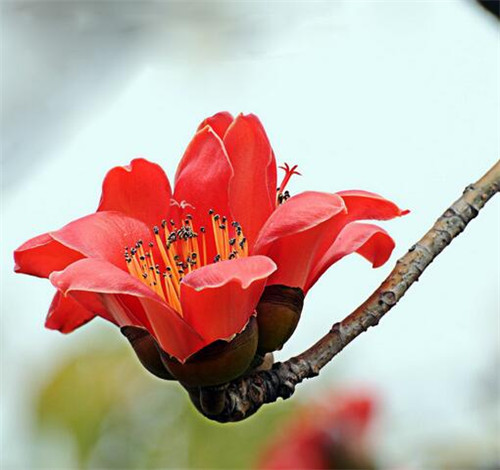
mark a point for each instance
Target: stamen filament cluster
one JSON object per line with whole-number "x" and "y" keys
{"x": 181, "y": 250}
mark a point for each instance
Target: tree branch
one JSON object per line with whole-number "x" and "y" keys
{"x": 243, "y": 397}
{"x": 493, "y": 6}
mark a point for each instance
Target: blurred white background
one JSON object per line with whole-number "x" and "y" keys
{"x": 400, "y": 98}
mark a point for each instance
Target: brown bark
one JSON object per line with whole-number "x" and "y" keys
{"x": 243, "y": 397}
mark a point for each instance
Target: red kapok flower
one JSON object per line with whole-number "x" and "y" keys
{"x": 189, "y": 267}
{"x": 330, "y": 434}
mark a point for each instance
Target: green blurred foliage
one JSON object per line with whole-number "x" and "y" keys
{"x": 115, "y": 415}
{"x": 119, "y": 416}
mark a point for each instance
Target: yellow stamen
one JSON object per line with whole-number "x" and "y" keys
{"x": 179, "y": 254}
{"x": 216, "y": 232}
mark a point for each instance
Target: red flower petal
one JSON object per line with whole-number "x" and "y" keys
{"x": 103, "y": 235}
{"x": 92, "y": 276}
{"x": 66, "y": 314}
{"x": 41, "y": 255}
{"x": 365, "y": 205}
{"x": 203, "y": 174}
{"x": 378, "y": 248}
{"x": 218, "y": 299}
{"x": 370, "y": 241}
{"x": 252, "y": 191}
{"x": 218, "y": 122}
{"x": 297, "y": 232}
{"x": 202, "y": 180}
{"x": 140, "y": 190}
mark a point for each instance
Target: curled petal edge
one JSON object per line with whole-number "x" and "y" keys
{"x": 66, "y": 314}
{"x": 370, "y": 241}
{"x": 299, "y": 214}
{"x": 108, "y": 282}
{"x": 244, "y": 271}
{"x": 364, "y": 205}
{"x": 41, "y": 255}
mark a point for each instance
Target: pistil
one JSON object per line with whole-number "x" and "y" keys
{"x": 281, "y": 194}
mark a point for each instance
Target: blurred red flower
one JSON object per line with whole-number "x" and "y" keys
{"x": 189, "y": 266}
{"x": 331, "y": 434}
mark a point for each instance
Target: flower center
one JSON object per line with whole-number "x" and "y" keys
{"x": 179, "y": 249}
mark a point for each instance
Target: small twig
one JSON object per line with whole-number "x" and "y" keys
{"x": 493, "y": 6}
{"x": 245, "y": 396}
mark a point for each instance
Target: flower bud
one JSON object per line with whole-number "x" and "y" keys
{"x": 209, "y": 401}
{"x": 278, "y": 313}
{"x": 147, "y": 351}
{"x": 217, "y": 363}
